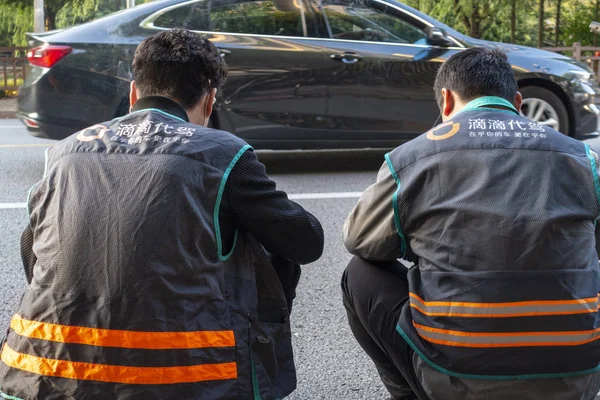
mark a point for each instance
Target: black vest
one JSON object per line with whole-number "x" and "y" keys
{"x": 500, "y": 213}
{"x": 133, "y": 296}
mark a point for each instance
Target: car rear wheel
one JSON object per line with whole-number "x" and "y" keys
{"x": 545, "y": 108}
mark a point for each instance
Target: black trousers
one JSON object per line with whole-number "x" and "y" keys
{"x": 374, "y": 294}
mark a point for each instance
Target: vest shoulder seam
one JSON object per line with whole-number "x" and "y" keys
{"x": 483, "y": 148}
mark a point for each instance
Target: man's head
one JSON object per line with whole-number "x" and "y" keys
{"x": 474, "y": 73}
{"x": 182, "y": 66}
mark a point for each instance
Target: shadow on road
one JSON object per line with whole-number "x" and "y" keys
{"x": 299, "y": 162}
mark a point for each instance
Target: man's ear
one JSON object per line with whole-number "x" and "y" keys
{"x": 210, "y": 102}
{"x": 449, "y": 102}
{"x": 518, "y": 102}
{"x": 133, "y": 97}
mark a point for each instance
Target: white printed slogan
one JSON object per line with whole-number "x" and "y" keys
{"x": 152, "y": 131}
{"x": 480, "y": 127}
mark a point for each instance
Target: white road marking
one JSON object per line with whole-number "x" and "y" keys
{"x": 299, "y": 196}
{"x": 12, "y": 146}
{"x": 12, "y": 205}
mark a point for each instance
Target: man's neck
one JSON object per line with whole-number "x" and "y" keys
{"x": 161, "y": 103}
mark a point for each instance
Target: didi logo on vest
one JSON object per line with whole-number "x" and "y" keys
{"x": 96, "y": 132}
{"x": 443, "y": 131}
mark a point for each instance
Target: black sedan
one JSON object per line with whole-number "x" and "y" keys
{"x": 303, "y": 73}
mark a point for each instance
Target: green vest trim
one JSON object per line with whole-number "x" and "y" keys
{"x": 222, "y": 256}
{"x": 483, "y": 103}
{"x": 404, "y": 246}
{"x": 9, "y": 397}
{"x": 594, "y": 168}
{"x": 156, "y": 110}
{"x": 255, "y": 388}
{"x": 488, "y": 377}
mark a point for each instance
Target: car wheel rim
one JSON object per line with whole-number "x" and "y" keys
{"x": 541, "y": 112}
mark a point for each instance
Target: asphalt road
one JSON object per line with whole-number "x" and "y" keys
{"x": 329, "y": 362}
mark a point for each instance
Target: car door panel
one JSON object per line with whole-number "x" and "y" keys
{"x": 282, "y": 99}
{"x": 382, "y": 83}
{"x": 387, "y": 94}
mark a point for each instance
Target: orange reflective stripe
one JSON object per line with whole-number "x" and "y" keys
{"x": 523, "y": 314}
{"x": 505, "y": 339}
{"x": 504, "y": 345}
{"x": 118, "y": 374}
{"x": 120, "y": 338}
{"x": 510, "y": 304}
{"x": 503, "y": 334}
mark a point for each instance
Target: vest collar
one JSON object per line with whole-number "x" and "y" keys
{"x": 488, "y": 102}
{"x": 163, "y": 104}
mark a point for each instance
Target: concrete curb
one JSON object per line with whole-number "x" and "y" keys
{"x": 8, "y": 107}
{"x": 8, "y": 114}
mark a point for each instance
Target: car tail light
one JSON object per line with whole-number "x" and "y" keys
{"x": 48, "y": 55}
{"x": 30, "y": 123}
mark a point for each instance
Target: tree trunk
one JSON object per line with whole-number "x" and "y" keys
{"x": 513, "y": 21}
{"x": 557, "y": 28}
{"x": 50, "y": 19}
{"x": 541, "y": 25}
{"x": 475, "y": 20}
{"x": 118, "y": 5}
{"x": 596, "y": 19}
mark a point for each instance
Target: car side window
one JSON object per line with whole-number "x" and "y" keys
{"x": 269, "y": 17}
{"x": 364, "y": 21}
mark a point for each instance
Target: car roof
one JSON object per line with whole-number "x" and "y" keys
{"x": 121, "y": 27}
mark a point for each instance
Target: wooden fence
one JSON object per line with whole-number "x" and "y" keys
{"x": 12, "y": 67}
{"x": 588, "y": 54}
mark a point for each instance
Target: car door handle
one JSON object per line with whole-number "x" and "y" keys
{"x": 224, "y": 53}
{"x": 347, "y": 57}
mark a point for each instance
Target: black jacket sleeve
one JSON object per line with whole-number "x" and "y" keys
{"x": 254, "y": 205}
{"x": 27, "y": 255}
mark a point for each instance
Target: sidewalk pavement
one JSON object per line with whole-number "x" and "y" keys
{"x": 8, "y": 107}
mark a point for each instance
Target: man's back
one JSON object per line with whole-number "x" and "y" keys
{"x": 499, "y": 215}
{"x": 148, "y": 277}
{"x": 127, "y": 213}
{"x": 517, "y": 198}
{"x": 127, "y": 261}
{"x": 506, "y": 256}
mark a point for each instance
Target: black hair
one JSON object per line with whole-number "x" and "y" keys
{"x": 476, "y": 72}
{"x": 178, "y": 64}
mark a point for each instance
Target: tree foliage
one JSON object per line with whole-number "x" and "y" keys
{"x": 16, "y": 16}
{"x": 492, "y": 19}
{"x": 15, "y": 21}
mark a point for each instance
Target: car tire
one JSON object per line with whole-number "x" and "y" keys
{"x": 554, "y": 107}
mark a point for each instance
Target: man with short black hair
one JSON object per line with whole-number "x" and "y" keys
{"x": 161, "y": 260}
{"x": 497, "y": 213}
